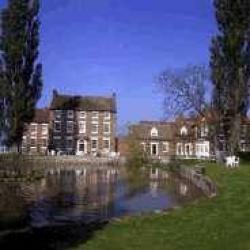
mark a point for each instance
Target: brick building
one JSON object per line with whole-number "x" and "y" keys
{"x": 36, "y": 136}
{"x": 156, "y": 138}
{"x": 83, "y": 124}
{"x": 183, "y": 138}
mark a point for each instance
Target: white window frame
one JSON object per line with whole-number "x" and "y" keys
{"x": 109, "y": 126}
{"x": 70, "y": 114}
{"x": 179, "y": 146}
{"x": 45, "y": 128}
{"x": 154, "y": 132}
{"x": 44, "y": 138}
{"x": 72, "y": 124}
{"x": 95, "y": 115}
{"x": 165, "y": 147}
{"x": 57, "y": 130}
{"x": 109, "y": 144}
{"x": 97, "y": 126}
{"x": 35, "y": 140}
{"x": 91, "y": 144}
{"x": 107, "y": 116}
{"x": 58, "y": 114}
{"x": 82, "y": 114}
{"x": 157, "y": 148}
{"x": 184, "y": 130}
{"x": 82, "y": 127}
{"x": 35, "y": 130}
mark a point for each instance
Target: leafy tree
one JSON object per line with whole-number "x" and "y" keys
{"x": 21, "y": 75}
{"x": 230, "y": 65}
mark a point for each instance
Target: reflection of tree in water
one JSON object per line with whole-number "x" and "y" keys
{"x": 136, "y": 179}
{"x": 15, "y": 198}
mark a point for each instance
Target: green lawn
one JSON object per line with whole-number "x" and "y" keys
{"x": 221, "y": 223}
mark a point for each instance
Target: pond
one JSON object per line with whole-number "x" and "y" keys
{"x": 67, "y": 206}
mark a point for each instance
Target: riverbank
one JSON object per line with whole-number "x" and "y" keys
{"x": 13, "y": 161}
{"x": 207, "y": 224}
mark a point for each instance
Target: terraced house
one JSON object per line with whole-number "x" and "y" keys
{"x": 83, "y": 124}
{"x": 182, "y": 138}
{"x": 36, "y": 136}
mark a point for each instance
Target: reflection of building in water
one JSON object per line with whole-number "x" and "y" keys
{"x": 183, "y": 189}
{"x": 156, "y": 173}
{"x": 154, "y": 188}
{"x": 88, "y": 190}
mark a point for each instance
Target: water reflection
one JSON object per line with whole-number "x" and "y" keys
{"x": 82, "y": 196}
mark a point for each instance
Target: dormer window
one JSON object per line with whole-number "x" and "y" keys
{"x": 154, "y": 132}
{"x": 184, "y": 130}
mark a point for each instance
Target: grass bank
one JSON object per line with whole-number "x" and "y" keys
{"x": 220, "y": 223}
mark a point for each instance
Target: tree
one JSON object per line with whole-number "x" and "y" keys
{"x": 230, "y": 66}
{"x": 185, "y": 90}
{"x": 21, "y": 75}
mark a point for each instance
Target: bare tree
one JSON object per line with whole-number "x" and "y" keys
{"x": 185, "y": 90}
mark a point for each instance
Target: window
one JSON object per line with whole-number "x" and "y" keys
{"x": 183, "y": 131}
{"x": 44, "y": 129}
{"x": 106, "y": 127}
{"x": 58, "y": 114}
{"x": 94, "y": 129}
{"x": 107, "y": 115}
{"x": 165, "y": 147}
{"x": 94, "y": 144}
{"x": 70, "y": 127}
{"x": 69, "y": 143}
{"x": 70, "y": 114}
{"x": 179, "y": 149}
{"x": 154, "y": 132}
{"x": 44, "y": 143}
{"x": 82, "y": 127}
{"x": 33, "y": 143}
{"x": 33, "y": 128}
{"x": 57, "y": 126}
{"x": 82, "y": 115}
{"x": 95, "y": 115}
{"x": 106, "y": 143}
{"x": 82, "y": 146}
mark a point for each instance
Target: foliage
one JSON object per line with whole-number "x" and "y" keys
{"x": 220, "y": 223}
{"x": 20, "y": 74}
{"x": 185, "y": 90}
{"x": 136, "y": 157}
{"x": 230, "y": 64}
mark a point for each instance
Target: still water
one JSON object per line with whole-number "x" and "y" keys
{"x": 66, "y": 207}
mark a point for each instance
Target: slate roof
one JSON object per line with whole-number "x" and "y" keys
{"x": 85, "y": 103}
{"x": 166, "y": 130}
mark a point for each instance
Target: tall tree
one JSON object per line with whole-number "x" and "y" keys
{"x": 230, "y": 64}
{"x": 21, "y": 75}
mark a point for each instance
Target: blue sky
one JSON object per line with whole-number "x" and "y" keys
{"x": 103, "y": 46}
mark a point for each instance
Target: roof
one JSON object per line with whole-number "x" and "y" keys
{"x": 85, "y": 103}
{"x": 41, "y": 116}
{"x": 166, "y": 130}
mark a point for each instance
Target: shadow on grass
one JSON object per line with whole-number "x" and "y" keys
{"x": 61, "y": 237}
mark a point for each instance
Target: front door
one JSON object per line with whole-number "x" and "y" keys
{"x": 154, "y": 149}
